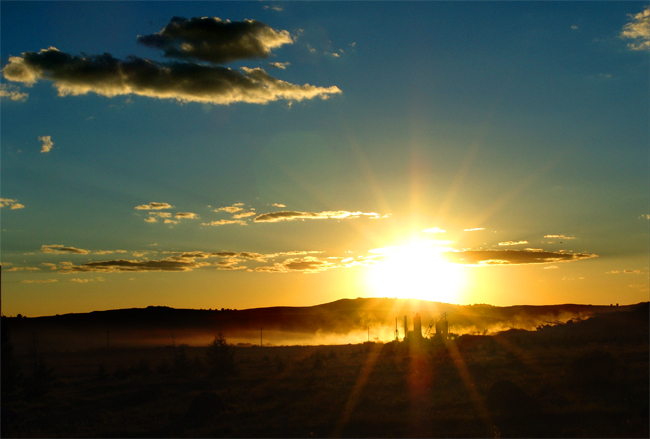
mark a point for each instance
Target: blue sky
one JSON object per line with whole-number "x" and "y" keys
{"x": 361, "y": 125}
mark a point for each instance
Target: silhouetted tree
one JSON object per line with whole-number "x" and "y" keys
{"x": 219, "y": 357}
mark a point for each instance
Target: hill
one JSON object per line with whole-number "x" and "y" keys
{"x": 339, "y": 322}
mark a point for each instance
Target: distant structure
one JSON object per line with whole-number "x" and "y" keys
{"x": 442, "y": 326}
{"x": 416, "y": 333}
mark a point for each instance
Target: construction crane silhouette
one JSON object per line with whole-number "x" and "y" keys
{"x": 441, "y": 318}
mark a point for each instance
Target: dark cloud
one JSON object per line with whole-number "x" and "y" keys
{"x": 512, "y": 257}
{"x": 275, "y": 217}
{"x": 127, "y": 265}
{"x": 186, "y": 215}
{"x": 60, "y": 249}
{"x": 183, "y": 82}
{"x": 308, "y": 264}
{"x": 214, "y": 40}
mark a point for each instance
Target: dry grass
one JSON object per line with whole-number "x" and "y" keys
{"x": 366, "y": 390}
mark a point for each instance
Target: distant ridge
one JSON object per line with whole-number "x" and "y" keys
{"x": 161, "y": 324}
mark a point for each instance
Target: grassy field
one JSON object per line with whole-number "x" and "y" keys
{"x": 570, "y": 388}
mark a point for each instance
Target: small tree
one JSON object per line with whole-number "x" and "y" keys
{"x": 219, "y": 357}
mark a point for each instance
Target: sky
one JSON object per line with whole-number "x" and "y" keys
{"x": 238, "y": 155}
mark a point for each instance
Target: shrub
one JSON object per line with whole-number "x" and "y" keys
{"x": 219, "y": 357}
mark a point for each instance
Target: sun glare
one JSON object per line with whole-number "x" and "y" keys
{"x": 416, "y": 271}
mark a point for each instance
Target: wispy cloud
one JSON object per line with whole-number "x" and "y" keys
{"x": 274, "y": 8}
{"x": 434, "y": 230}
{"x": 513, "y": 257}
{"x": 47, "y": 143}
{"x": 60, "y": 249}
{"x": 513, "y": 243}
{"x": 279, "y": 65}
{"x": 638, "y": 30}
{"x": 559, "y": 237}
{"x": 23, "y": 269}
{"x": 13, "y": 93}
{"x": 224, "y": 222}
{"x": 39, "y": 281}
{"x": 12, "y": 204}
{"x": 308, "y": 264}
{"x": 237, "y": 207}
{"x": 476, "y": 229}
{"x": 244, "y": 214}
{"x": 275, "y": 217}
{"x": 154, "y": 206}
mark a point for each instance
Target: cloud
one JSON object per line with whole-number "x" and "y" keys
{"x": 512, "y": 257}
{"x": 151, "y": 219}
{"x": 82, "y": 281}
{"x": 644, "y": 216}
{"x": 275, "y": 217}
{"x": 39, "y": 281}
{"x": 12, "y": 204}
{"x": 476, "y": 229}
{"x": 434, "y": 230}
{"x": 237, "y": 207}
{"x": 123, "y": 265}
{"x": 244, "y": 214}
{"x": 47, "y": 143}
{"x": 274, "y": 8}
{"x": 632, "y": 271}
{"x": 560, "y": 237}
{"x": 23, "y": 269}
{"x": 12, "y": 92}
{"x": 638, "y": 29}
{"x": 278, "y": 205}
{"x": 224, "y": 222}
{"x": 551, "y": 267}
{"x": 186, "y": 215}
{"x": 308, "y": 264}
{"x": 60, "y": 249}
{"x": 279, "y": 65}
{"x": 154, "y": 206}
{"x": 184, "y": 82}
{"x": 214, "y": 40}
{"x": 513, "y": 243}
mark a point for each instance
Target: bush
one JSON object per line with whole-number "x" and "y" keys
{"x": 219, "y": 357}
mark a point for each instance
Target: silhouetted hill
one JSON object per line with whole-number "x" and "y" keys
{"x": 161, "y": 324}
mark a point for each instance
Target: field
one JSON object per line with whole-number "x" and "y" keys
{"x": 587, "y": 381}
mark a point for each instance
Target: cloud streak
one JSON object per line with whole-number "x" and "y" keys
{"x": 512, "y": 257}
{"x": 154, "y": 206}
{"x": 107, "y": 76}
{"x": 60, "y": 249}
{"x": 275, "y": 217}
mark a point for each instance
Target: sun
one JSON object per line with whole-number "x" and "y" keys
{"x": 416, "y": 271}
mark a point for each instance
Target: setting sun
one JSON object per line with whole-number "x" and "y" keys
{"x": 416, "y": 271}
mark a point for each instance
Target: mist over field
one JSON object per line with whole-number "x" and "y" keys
{"x": 340, "y": 322}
